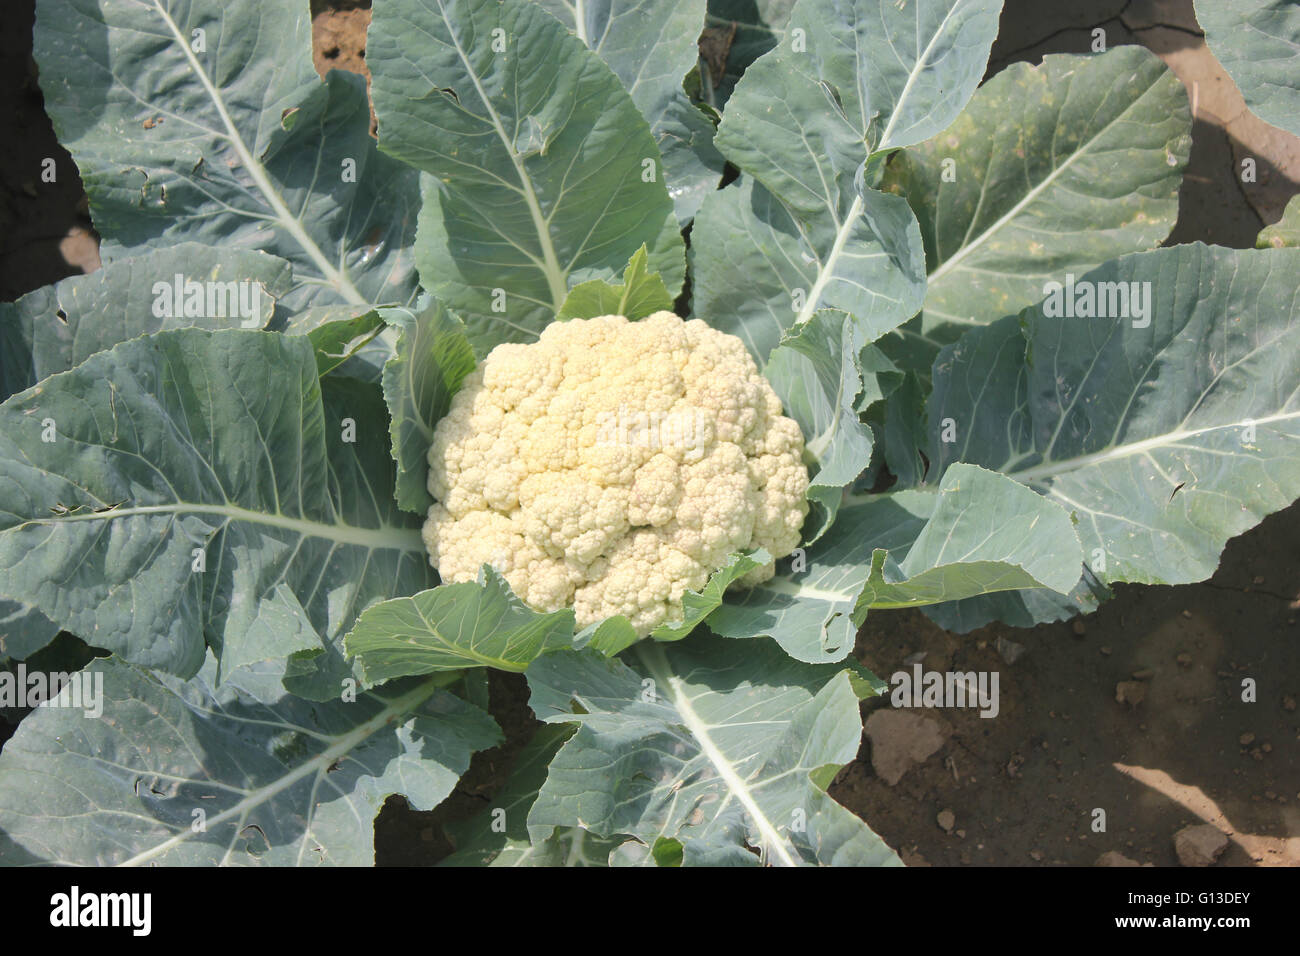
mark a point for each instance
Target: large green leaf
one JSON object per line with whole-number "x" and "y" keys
{"x": 1258, "y": 43}
{"x": 977, "y": 532}
{"x": 851, "y": 78}
{"x": 454, "y": 626}
{"x": 431, "y": 358}
{"x": 1165, "y": 434}
{"x": 696, "y": 743}
{"x": 185, "y": 774}
{"x": 536, "y": 155}
{"x": 204, "y": 120}
{"x": 983, "y": 535}
{"x": 191, "y": 449}
{"x": 1051, "y": 169}
{"x": 759, "y": 269}
{"x": 650, "y": 45}
{"x": 54, "y": 328}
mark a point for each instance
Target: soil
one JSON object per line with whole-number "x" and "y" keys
{"x": 1136, "y": 715}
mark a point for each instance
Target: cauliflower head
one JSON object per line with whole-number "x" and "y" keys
{"x": 614, "y": 465}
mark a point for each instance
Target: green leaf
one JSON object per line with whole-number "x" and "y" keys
{"x": 905, "y": 432}
{"x": 1165, "y": 433}
{"x": 191, "y": 449}
{"x": 615, "y": 634}
{"x": 1258, "y": 43}
{"x": 226, "y": 136}
{"x": 274, "y": 780}
{"x": 808, "y": 606}
{"x": 1054, "y": 169}
{"x": 697, "y": 605}
{"x": 54, "y": 328}
{"x": 977, "y": 532}
{"x": 454, "y": 626}
{"x": 609, "y": 637}
{"x": 817, "y": 372}
{"x": 759, "y": 269}
{"x": 1285, "y": 232}
{"x": 640, "y": 295}
{"x": 431, "y": 359}
{"x": 535, "y": 152}
{"x": 695, "y": 743}
{"x": 985, "y": 534}
{"x": 650, "y": 45}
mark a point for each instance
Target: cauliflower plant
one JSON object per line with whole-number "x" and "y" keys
{"x": 612, "y": 466}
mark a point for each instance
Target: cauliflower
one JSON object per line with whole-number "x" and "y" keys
{"x": 614, "y": 465}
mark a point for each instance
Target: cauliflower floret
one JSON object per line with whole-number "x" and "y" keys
{"x": 614, "y": 465}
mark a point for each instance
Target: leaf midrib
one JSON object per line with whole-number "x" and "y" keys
{"x": 387, "y": 538}
{"x": 1051, "y": 469}
{"x": 827, "y": 269}
{"x": 916, "y": 71}
{"x": 555, "y": 274}
{"x": 657, "y": 664}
